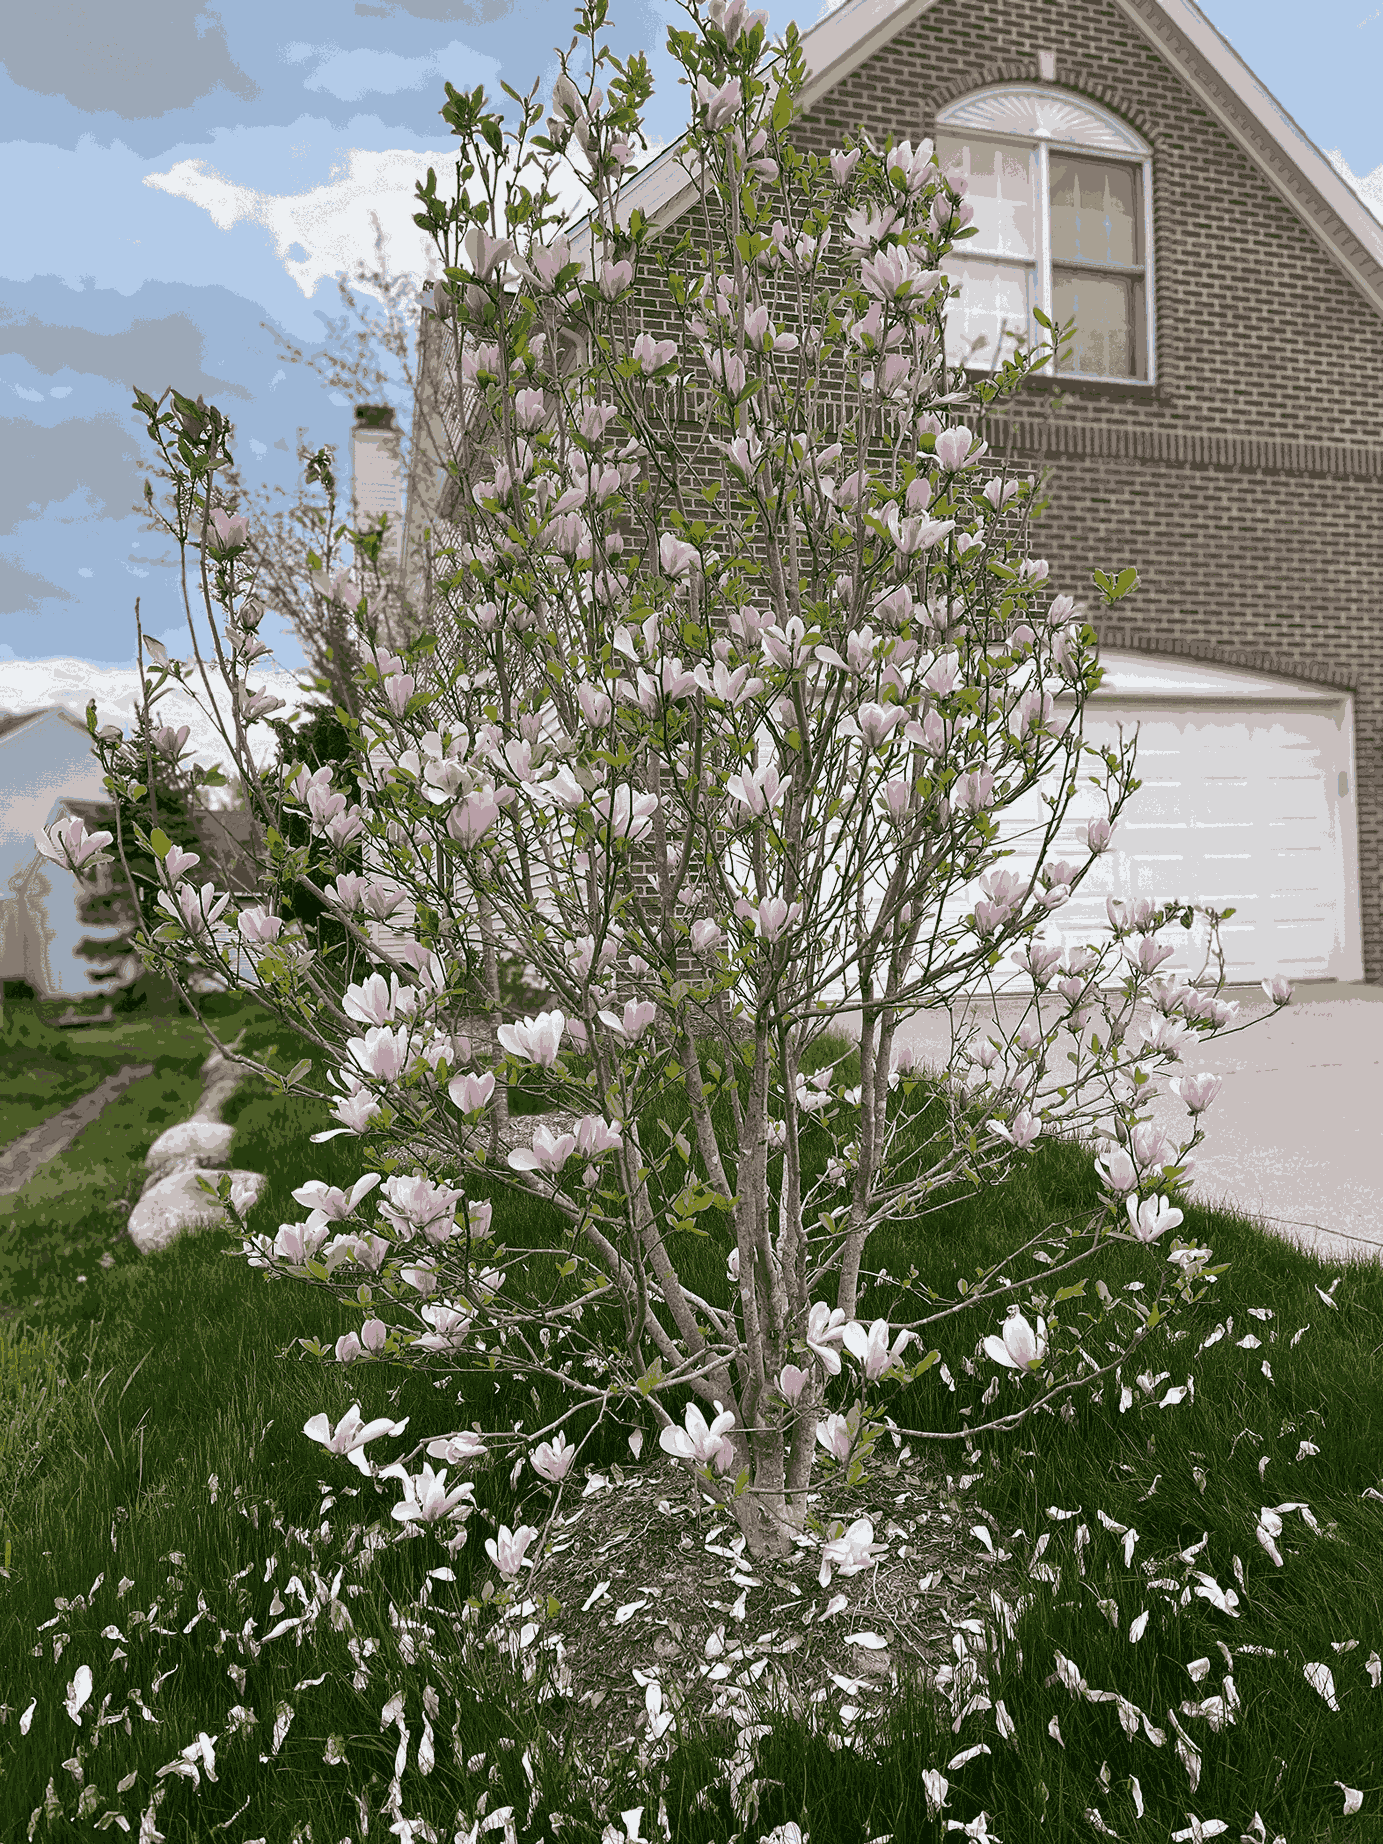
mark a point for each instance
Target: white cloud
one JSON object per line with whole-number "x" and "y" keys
{"x": 27, "y": 685}
{"x": 350, "y": 75}
{"x": 331, "y": 222}
{"x": 1369, "y": 186}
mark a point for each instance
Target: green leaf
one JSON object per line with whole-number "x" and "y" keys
{"x": 1076, "y": 1292}
{"x": 297, "y": 1072}
{"x": 161, "y": 843}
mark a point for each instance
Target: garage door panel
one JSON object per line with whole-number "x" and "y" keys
{"x": 1238, "y": 808}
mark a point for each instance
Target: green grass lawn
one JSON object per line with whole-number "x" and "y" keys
{"x": 166, "y": 1519}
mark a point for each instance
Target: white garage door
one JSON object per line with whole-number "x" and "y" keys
{"x": 1247, "y": 802}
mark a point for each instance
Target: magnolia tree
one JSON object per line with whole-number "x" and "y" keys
{"x": 737, "y": 692}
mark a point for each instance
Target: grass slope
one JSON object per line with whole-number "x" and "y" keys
{"x": 179, "y": 1537}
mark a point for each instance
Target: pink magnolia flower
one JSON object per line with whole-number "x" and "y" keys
{"x": 1097, "y": 835}
{"x": 1197, "y": 1092}
{"x": 877, "y": 722}
{"x": 486, "y": 253}
{"x": 548, "y": 1153}
{"x": 1149, "y": 953}
{"x": 176, "y": 862}
{"x": 834, "y": 1436}
{"x": 871, "y": 1348}
{"x": 615, "y": 278}
{"x": 299, "y": 1242}
{"x": 351, "y": 1434}
{"x": 638, "y": 1015}
{"x": 850, "y": 1552}
{"x": 650, "y": 355}
{"x": 347, "y": 1348}
{"x": 595, "y": 1137}
{"x": 595, "y": 705}
{"x": 507, "y": 1551}
{"x": 759, "y": 789}
{"x": 825, "y": 1334}
{"x": 843, "y": 165}
{"x": 792, "y": 1381}
{"x": 382, "y": 1052}
{"x": 258, "y": 925}
{"x": 773, "y": 916}
{"x": 195, "y": 909}
{"x": 974, "y": 790}
{"x": 372, "y": 1002}
{"x": 1151, "y": 1217}
{"x": 470, "y": 819}
{"x": 169, "y": 742}
{"x": 471, "y": 1093}
{"x": 232, "y": 531}
{"x": 1117, "y": 1169}
{"x": 1021, "y": 1131}
{"x": 552, "y": 1460}
{"x": 953, "y": 448}
{"x": 330, "y": 1200}
{"x": 706, "y": 1445}
{"x": 414, "y": 1204}
{"x": 456, "y": 1448}
{"x": 706, "y": 936}
{"x": 675, "y": 556}
{"x": 1151, "y": 1147}
{"x": 68, "y": 842}
{"x": 355, "y": 1111}
{"x": 534, "y": 1040}
{"x": 628, "y": 815}
{"x": 421, "y": 1276}
{"x": 1020, "y": 1348}
{"x": 426, "y": 1499}
{"x": 720, "y": 104}
{"x": 374, "y": 1334}
{"x": 546, "y": 263}
{"x": 1278, "y": 989}
{"x": 449, "y": 1329}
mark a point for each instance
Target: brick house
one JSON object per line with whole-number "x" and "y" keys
{"x": 1219, "y": 424}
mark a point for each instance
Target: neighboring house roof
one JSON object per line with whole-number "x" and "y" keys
{"x": 10, "y": 721}
{"x": 1207, "y": 63}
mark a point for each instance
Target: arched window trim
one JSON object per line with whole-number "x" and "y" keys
{"x": 1043, "y": 117}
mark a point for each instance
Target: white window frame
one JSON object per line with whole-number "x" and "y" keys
{"x": 1044, "y": 119}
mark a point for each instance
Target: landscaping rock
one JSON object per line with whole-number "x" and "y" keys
{"x": 220, "y": 1079}
{"x": 198, "y": 1141}
{"x": 176, "y": 1203}
{"x": 172, "y": 1201}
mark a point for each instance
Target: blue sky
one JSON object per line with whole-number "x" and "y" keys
{"x": 174, "y": 176}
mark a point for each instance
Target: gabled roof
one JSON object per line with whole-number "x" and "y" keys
{"x": 1206, "y": 62}
{"x": 13, "y": 721}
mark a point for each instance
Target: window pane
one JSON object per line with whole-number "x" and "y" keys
{"x": 1000, "y": 189}
{"x": 1105, "y": 309}
{"x": 1094, "y": 211}
{"x": 994, "y": 310}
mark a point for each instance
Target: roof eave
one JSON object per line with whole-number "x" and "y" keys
{"x": 1284, "y": 154}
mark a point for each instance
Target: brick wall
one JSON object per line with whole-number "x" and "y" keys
{"x": 1247, "y": 483}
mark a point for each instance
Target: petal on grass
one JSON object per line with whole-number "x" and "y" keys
{"x": 1321, "y": 1679}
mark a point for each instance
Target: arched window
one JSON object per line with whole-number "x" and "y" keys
{"x": 1062, "y": 193}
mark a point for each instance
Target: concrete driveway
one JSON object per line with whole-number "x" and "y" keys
{"x": 1295, "y": 1136}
